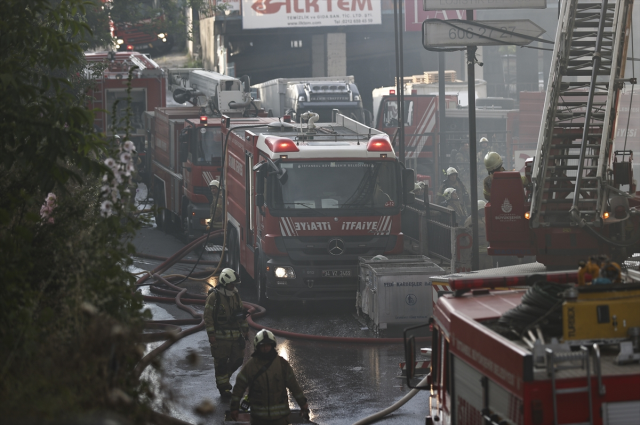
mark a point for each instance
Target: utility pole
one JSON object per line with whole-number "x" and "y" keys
{"x": 398, "y": 28}
{"x": 441, "y": 107}
{"x": 473, "y": 166}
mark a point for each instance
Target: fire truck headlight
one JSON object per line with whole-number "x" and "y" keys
{"x": 285, "y": 273}
{"x": 356, "y": 97}
{"x": 302, "y": 98}
{"x": 161, "y": 35}
{"x": 120, "y": 41}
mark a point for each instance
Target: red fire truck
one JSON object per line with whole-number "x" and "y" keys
{"x": 147, "y": 93}
{"x": 305, "y": 201}
{"x": 486, "y": 368}
{"x": 186, "y": 154}
{"x": 430, "y": 152}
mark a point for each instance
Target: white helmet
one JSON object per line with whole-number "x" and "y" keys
{"x": 215, "y": 183}
{"x": 448, "y": 193}
{"x": 451, "y": 170}
{"x": 264, "y": 337}
{"x": 483, "y": 140}
{"x": 228, "y": 276}
{"x": 492, "y": 161}
{"x": 481, "y": 204}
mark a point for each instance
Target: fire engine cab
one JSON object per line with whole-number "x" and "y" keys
{"x": 304, "y": 201}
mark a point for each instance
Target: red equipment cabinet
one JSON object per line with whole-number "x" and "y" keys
{"x": 303, "y": 206}
{"x": 481, "y": 377}
{"x": 186, "y": 154}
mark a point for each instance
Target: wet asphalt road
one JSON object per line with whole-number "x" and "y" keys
{"x": 343, "y": 382}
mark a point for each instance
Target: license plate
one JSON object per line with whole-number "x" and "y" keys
{"x": 142, "y": 46}
{"x": 336, "y": 273}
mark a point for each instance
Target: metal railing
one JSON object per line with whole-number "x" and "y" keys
{"x": 429, "y": 226}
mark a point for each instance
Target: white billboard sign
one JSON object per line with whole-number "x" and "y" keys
{"x": 483, "y": 4}
{"x": 309, "y": 13}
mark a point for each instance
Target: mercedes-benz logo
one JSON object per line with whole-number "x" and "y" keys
{"x": 336, "y": 247}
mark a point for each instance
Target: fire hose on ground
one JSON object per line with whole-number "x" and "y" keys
{"x": 172, "y": 331}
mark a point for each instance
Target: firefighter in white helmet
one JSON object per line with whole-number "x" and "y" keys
{"x": 267, "y": 376}
{"x": 217, "y": 209}
{"x": 486, "y": 261}
{"x": 453, "y": 202}
{"x": 227, "y": 329}
{"x": 493, "y": 164}
{"x": 454, "y": 181}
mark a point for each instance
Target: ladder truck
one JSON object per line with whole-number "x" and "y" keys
{"x": 521, "y": 345}
{"x": 574, "y": 205}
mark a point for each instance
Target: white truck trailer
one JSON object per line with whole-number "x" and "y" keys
{"x": 295, "y": 96}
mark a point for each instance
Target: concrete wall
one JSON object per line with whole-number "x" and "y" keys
{"x": 207, "y": 41}
{"x": 336, "y": 54}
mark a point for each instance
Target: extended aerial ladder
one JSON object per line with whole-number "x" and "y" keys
{"x": 570, "y": 182}
{"x": 576, "y": 180}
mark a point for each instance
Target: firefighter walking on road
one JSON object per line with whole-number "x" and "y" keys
{"x": 267, "y": 376}
{"x": 227, "y": 329}
{"x": 217, "y": 209}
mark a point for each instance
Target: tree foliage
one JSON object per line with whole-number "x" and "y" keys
{"x": 68, "y": 315}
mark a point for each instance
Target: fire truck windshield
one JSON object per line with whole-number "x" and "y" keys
{"x": 208, "y": 149}
{"x": 336, "y": 187}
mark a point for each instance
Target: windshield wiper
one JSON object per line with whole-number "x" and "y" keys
{"x": 306, "y": 206}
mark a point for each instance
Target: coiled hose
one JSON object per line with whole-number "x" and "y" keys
{"x": 539, "y": 306}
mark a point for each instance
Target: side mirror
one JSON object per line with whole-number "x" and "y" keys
{"x": 410, "y": 359}
{"x": 408, "y": 185}
{"x": 260, "y": 170}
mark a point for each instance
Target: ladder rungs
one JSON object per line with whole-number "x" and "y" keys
{"x": 584, "y": 73}
{"x": 565, "y": 178}
{"x": 572, "y": 390}
{"x": 569, "y": 167}
{"x": 581, "y": 103}
{"x": 565, "y": 114}
{"x": 576, "y": 156}
{"x": 556, "y": 212}
{"x": 576, "y": 146}
{"x": 566, "y": 201}
{"x": 581, "y": 43}
{"x": 579, "y": 125}
{"x": 583, "y": 84}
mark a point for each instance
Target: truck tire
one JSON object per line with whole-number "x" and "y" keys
{"x": 261, "y": 281}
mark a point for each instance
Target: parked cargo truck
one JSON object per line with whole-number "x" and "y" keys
{"x": 295, "y": 96}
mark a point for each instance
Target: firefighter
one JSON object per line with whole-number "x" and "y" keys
{"x": 267, "y": 376}
{"x": 453, "y": 181}
{"x": 227, "y": 329}
{"x": 453, "y": 203}
{"x": 486, "y": 261}
{"x": 215, "y": 223}
{"x": 493, "y": 163}
{"x": 483, "y": 149}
